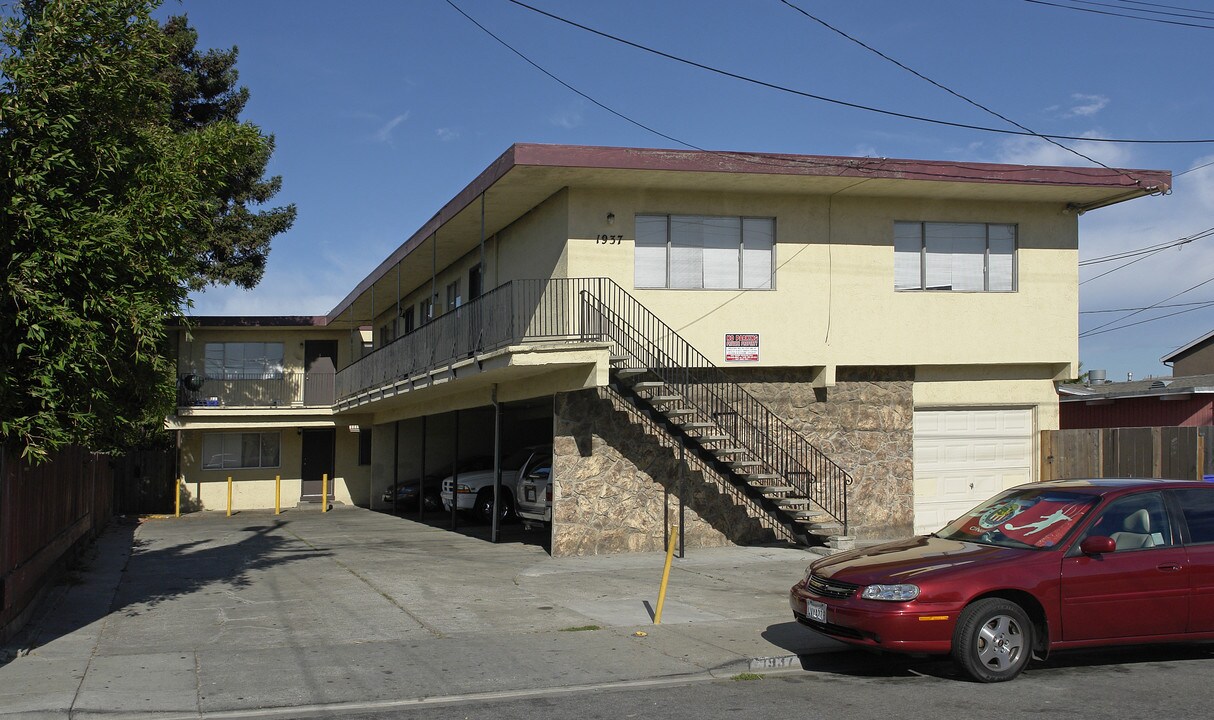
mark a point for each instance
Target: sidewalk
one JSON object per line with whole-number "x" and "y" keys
{"x": 208, "y": 615}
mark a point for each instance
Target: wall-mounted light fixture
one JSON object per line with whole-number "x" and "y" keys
{"x": 611, "y": 218}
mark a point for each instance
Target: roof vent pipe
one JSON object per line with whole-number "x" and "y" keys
{"x": 1096, "y": 377}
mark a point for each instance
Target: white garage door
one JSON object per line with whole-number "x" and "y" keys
{"x": 963, "y": 457}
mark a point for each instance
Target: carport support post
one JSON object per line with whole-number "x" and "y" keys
{"x": 455, "y": 473}
{"x": 395, "y": 446}
{"x": 497, "y": 463}
{"x": 421, "y": 489}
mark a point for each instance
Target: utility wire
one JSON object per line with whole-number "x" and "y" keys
{"x": 844, "y": 103}
{"x": 1094, "y": 330}
{"x": 1147, "y": 250}
{"x": 1145, "y": 12}
{"x": 1170, "y": 7}
{"x": 1193, "y": 169}
{"x": 948, "y": 90}
{"x": 1170, "y": 305}
{"x": 1123, "y": 15}
{"x": 856, "y": 165}
{"x": 1143, "y": 322}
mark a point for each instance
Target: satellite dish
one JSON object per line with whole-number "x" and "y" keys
{"x": 193, "y": 383}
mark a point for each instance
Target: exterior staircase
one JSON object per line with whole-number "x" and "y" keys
{"x": 692, "y": 399}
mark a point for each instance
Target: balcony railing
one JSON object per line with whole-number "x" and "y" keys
{"x": 295, "y": 389}
{"x": 516, "y": 312}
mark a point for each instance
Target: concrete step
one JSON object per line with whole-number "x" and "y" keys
{"x": 678, "y": 412}
{"x": 648, "y": 385}
{"x": 710, "y": 438}
{"x": 696, "y": 425}
{"x": 791, "y": 502}
{"x": 665, "y": 398}
{"x": 629, "y": 371}
{"x": 743, "y": 464}
{"x": 760, "y": 477}
{"x": 773, "y": 489}
{"x": 729, "y": 451}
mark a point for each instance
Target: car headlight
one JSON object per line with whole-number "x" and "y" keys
{"x": 894, "y": 593}
{"x": 461, "y": 488}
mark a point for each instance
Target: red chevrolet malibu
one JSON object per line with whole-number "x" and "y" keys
{"x": 1040, "y": 567}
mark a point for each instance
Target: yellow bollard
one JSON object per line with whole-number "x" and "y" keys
{"x": 277, "y": 494}
{"x": 324, "y": 493}
{"x": 229, "y": 496}
{"x": 177, "y": 501}
{"x": 657, "y": 614}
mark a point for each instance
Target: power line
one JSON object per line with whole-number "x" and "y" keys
{"x": 1091, "y": 333}
{"x": 1193, "y": 169}
{"x": 1170, "y": 7}
{"x": 1150, "y": 250}
{"x": 948, "y": 90}
{"x": 1123, "y": 15}
{"x": 1094, "y": 330}
{"x": 856, "y": 165}
{"x": 1156, "y": 307}
{"x": 844, "y": 103}
{"x": 1150, "y": 12}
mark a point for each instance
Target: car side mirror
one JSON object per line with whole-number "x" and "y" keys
{"x": 1097, "y": 545}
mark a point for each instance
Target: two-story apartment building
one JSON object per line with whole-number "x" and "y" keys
{"x": 749, "y": 345}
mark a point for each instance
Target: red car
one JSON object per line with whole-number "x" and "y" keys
{"x": 1040, "y": 567}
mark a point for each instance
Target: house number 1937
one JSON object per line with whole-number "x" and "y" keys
{"x": 608, "y": 239}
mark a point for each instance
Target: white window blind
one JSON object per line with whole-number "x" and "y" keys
{"x": 243, "y": 361}
{"x": 700, "y": 252}
{"x": 240, "y": 450}
{"x": 960, "y": 257}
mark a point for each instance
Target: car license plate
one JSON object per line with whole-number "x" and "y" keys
{"x": 815, "y": 611}
{"x": 529, "y": 492}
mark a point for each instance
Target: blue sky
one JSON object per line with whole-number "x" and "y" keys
{"x": 383, "y": 110}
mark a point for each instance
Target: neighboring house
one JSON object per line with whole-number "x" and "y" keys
{"x": 834, "y": 346}
{"x": 1195, "y": 358}
{"x": 1154, "y": 402}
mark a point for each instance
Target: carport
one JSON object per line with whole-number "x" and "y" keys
{"x": 432, "y": 447}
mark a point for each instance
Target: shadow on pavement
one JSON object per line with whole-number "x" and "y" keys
{"x": 98, "y": 584}
{"x": 511, "y": 531}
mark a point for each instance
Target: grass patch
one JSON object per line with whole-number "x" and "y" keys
{"x": 746, "y": 676}
{"x": 581, "y": 628}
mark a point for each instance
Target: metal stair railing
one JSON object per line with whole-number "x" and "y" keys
{"x": 637, "y": 333}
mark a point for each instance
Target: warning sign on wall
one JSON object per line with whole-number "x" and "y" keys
{"x": 741, "y": 347}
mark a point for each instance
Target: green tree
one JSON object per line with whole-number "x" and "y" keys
{"x": 126, "y": 182}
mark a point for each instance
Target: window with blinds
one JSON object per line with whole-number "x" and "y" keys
{"x": 958, "y": 257}
{"x": 240, "y": 450}
{"x": 244, "y": 360}
{"x": 703, "y": 252}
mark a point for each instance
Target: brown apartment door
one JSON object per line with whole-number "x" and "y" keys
{"x": 320, "y": 370}
{"x": 317, "y": 461}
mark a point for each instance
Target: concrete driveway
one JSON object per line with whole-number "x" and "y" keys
{"x": 261, "y": 615}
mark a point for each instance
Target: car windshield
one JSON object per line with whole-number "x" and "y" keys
{"x": 1026, "y": 518}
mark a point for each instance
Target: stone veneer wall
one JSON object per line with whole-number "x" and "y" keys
{"x": 615, "y": 474}
{"x": 865, "y": 423}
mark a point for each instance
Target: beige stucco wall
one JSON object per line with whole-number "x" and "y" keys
{"x": 254, "y": 488}
{"x": 191, "y": 344}
{"x": 834, "y": 301}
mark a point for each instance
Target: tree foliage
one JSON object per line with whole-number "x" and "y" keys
{"x": 126, "y": 182}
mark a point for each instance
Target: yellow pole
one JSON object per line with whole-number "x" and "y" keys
{"x": 177, "y": 501}
{"x": 277, "y": 494}
{"x": 657, "y": 614}
{"x": 229, "y": 496}
{"x": 324, "y": 493}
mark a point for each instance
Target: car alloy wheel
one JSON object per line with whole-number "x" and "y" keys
{"x": 484, "y": 506}
{"x": 993, "y": 640}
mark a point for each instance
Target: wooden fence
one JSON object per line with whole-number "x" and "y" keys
{"x": 46, "y": 513}
{"x": 1185, "y": 453}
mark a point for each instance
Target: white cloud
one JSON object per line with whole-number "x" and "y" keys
{"x": 1022, "y": 150}
{"x": 1087, "y": 105}
{"x": 447, "y": 134}
{"x": 384, "y": 133}
{"x": 567, "y": 119}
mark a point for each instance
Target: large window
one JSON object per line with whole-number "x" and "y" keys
{"x": 962, "y": 257}
{"x": 240, "y": 450}
{"x": 244, "y": 361}
{"x": 691, "y": 251}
